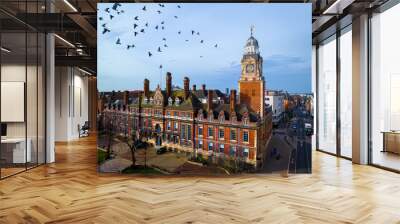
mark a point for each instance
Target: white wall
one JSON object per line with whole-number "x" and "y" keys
{"x": 71, "y": 102}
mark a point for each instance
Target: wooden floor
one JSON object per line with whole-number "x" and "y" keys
{"x": 71, "y": 191}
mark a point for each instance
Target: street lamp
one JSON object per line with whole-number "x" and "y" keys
{"x": 144, "y": 139}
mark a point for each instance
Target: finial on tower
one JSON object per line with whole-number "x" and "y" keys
{"x": 251, "y": 30}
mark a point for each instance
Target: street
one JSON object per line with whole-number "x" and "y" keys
{"x": 290, "y": 146}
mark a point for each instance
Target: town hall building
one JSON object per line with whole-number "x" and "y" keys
{"x": 206, "y": 121}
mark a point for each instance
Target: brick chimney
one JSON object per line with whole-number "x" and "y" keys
{"x": 203, "y": 87}
{"x": 186, "y": 83}
{"x": 146, "y": 85}
{"x": 209, "y": 100}
{"x": 126, "y": 97}
{"x": 168, "y": 85}
{"x": 232, "y": 99}
{"x": 194, "y": 88}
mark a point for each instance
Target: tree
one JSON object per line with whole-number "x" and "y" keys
{"x": 131, "y": 143}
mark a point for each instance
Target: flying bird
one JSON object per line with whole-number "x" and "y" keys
{"x": 135, "y": 25}
{"x": 104, "y": 25}
{"x": 193, "y": 32}
{"x": 198, "y": 33}
{"x": 135, "y": 33}
{"x": 161, "y": 5}
{"x": 159, "y": 12}
{"x": 159, "y": 49}
{"x": 156, "y": 27}
{"x": 118, "y": 41}
{"x": 201, "y": 56}
{"x": 118, "y": 12}
{"x": 100, "y": 18}
{"x": 150, "y": 54}
{"x": 136, "y": 18}
{"x": 142, "y": 30}
{"x": 179, "y": 32}
{"x": 122, "y": 11}
{"x": 201, "y": 41}
{"x": 162, "y": 22}
{"x": 186, "y": 40}
{"x": 111, "y": 16}
{"x": 144, "y": 8}
{"x": 165, "y": 45}
{"x": 216, "y": 45}
{"x": 179, "y": 6}
{"x": 107, "y": 10}
{"x": 162, "y": 27}
{"x": 175, "y": 17}
{"x": 115, "y": 6}
{"x": 160, "y": 66}
{"x": 130, "y": 46}
{"x": 105, "y": 30}
{"x": 164, "y": 39}
{"x": 146, "y": 24}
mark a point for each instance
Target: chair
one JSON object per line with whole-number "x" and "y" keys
{"x": 84, "y": 130}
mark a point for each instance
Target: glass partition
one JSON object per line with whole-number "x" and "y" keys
{"x": 22, "y": 88}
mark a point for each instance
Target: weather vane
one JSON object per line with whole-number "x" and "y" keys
{"x": 251, "y": 30}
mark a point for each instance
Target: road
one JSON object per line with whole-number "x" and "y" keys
{"x": 301, "y": 154}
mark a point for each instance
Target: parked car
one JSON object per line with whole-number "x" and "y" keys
{"x": 161, "y": 150}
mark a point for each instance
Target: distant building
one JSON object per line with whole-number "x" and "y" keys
{"x": 205, "y": 121}
{"x": 275, "y": 100}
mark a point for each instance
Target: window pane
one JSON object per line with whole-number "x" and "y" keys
{"x": 327, "y": 96}
{"x": 385, "y": 84}
{"x": 346, "y": 94}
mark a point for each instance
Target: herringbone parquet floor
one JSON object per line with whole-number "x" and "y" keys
{"x": 71, "y": 191}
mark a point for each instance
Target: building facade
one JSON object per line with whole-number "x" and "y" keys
{"x": 275, "y": 100}
{"x": 205, "y": 121}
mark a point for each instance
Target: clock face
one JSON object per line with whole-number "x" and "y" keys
{"x": 249, "y": 68}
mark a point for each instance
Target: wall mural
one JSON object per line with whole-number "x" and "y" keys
{"x": 204, "y": 89}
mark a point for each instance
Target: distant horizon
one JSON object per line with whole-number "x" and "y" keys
{"x": 282, "y": 30}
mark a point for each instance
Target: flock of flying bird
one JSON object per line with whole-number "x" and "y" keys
{"x": 141, "y": 30}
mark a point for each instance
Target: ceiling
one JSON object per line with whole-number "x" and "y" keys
{"x": 75, "y": 21}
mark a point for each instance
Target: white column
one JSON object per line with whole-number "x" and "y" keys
{"x": 360, "y": 90}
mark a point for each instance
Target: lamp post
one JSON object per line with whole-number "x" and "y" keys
{"x": 144, "y": 139}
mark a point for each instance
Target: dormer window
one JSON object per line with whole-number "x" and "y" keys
{"x": 177, "y": 101}
{"x": 221, "y": 116}
{"x": 169, "y": 101}
{"x": 151, "y": 100}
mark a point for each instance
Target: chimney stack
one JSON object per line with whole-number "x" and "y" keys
{"x": 194, "y": 88}
{"x": 186, "y": 83}
{"x": 169, "y": 84}
{"x": 210, "y": 100}
{"x": 126, "y": 97}
{"x": 146, "y": 87}
{"x": 232, "y": 99}
{"x": 203, "y": 87}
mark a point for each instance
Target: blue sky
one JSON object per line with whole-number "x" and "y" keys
{"x": 282, "y": 30}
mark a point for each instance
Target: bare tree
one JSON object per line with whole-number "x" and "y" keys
{"x": 110, "y": 133}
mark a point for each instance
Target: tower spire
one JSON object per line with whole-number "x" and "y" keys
{"x": 251, "y": 30}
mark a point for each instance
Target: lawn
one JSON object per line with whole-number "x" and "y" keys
{"x": 141, "y": 170}
{"x": 101, "y": 155}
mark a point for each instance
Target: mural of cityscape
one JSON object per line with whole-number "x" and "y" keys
{"x": 185, "y": 89}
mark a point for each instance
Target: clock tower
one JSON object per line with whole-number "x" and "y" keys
{"x": 251, "y": 83}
